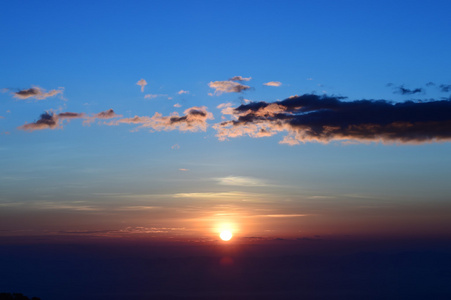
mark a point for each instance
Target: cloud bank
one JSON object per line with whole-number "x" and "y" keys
{"x": 326, "y": 118}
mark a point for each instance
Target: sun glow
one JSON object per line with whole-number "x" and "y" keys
{"x": 225, "y": 235}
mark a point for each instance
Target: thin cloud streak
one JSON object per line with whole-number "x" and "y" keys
{"x": 37, "y": 93}
{"x": 404, "y": 91}
{"x": 240, "y": 181}
{"x": 240, "y": 78}
{"x": 273, "y": 83}
{"x": 326, "y": 118}
{"x": 50, "y": 120}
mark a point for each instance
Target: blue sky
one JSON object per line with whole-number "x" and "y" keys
{"x": 94, "y": 174}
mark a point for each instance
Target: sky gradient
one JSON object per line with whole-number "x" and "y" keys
{"x": 176, "y": 120}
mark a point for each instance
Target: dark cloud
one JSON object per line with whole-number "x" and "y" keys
{"x": 325, "y": 118}
{"x": 403, "y": 91}
{"x": 445, "y": 88}
{"x": 430, "y": 83}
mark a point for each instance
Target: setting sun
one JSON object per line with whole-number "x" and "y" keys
{"x": 225, "y": 235}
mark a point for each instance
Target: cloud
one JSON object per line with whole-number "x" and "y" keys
{"x": 71, "y": 115}
{"x": 445, "y": 88}
{"x": 152, "y": 96}
{"x": 240, "y": 181}
{"x": 273, "y": 83}
{"x": 175, "y": 146}
{"x": 48, "y": 120}
{"x": 104, "y": 115}
{"x": 226, "y": 108}
{"x": 108, "y": 114}
{"x": 403, "y": 91}
{"x": 182, "y": 92}
{"x": 239, "y": 78}
{"x": 142, "y": 83}
{"x": 51, "y": 120}
{"x": 37, "y": 93}
{"x": 227, "y": 87}
{"x": 195, "y": 119}
{"x": 326, "y": 118}
{"x": 183, "y": 170}
{"x": 177, "y": 105}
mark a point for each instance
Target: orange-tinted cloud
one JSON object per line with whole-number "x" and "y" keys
{"x": 194, "y": 119}
{"x": 37, "y": 93}
{"x": 227, "y": 86}
{"x": 273, "y": 83}
{"x": 142, "y": 83}
{"x": 240, "y": 78}
{"x": 50, "y": 120}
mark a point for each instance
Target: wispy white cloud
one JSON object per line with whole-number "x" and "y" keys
{"x": 182, "y": 92}
{"x": 240, "y": 181}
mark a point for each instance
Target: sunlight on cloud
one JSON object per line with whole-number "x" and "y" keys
{"x": 240, "y": 181}
{"x": 273, "y": 83}
{"x": 195, "y": 119}
{"x": 227, "y": 87}
{"x": 37, "y": 93}
{"x": 240, "y": 78}
{"x": 142, "y": 83}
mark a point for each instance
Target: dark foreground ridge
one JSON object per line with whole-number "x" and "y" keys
{"x": 277, "y": 271}
{"x": 16, "y": 296}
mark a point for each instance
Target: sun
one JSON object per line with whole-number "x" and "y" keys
{"x": 225, "y": 235}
